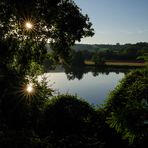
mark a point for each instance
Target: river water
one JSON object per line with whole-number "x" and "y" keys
{"x": 90, "y": 85}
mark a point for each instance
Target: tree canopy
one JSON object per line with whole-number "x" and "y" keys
{"x": 26, "y": 26}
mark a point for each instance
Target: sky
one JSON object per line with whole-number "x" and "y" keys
{"x": 116, "y": 21}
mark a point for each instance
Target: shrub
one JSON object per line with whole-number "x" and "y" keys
{"x": 68, "y": 122}
{"x": 128, "y": 108}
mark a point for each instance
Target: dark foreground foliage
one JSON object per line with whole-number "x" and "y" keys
{"x": 128, "y": 107}
{"x": 63, "y": 121}
{"x": 38, "y": 120}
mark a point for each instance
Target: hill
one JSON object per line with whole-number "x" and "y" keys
{"x": 91, "y": 47}
{"x": 104, "y": 47}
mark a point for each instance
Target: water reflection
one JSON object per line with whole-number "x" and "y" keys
{"x": 90, "y": 83}
{"x": 78, "y": 72}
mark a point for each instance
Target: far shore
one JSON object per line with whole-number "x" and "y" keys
{"x": 118, "y": 63}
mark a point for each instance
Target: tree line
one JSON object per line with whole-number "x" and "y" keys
{"x": 101, "y": 53}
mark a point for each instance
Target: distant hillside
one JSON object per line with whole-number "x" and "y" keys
{"x": 104, "y": 47}
{"x": 91, "y": 48}
{"x": 88, "y": 47}
{"x": 108, "y": 52}
{"x": 138, "y": 47}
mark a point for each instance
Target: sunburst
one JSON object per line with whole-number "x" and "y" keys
{"x": 29, "y": 25}
{"x": 27, "y": 91}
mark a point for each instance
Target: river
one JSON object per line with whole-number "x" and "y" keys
{"x": 90, "y": 84}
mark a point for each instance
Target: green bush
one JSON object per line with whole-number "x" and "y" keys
{"x": 128, "y": 106}
{"x": 68, "y": 122}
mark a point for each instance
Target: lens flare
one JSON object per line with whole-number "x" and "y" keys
{"x": 28, "y": 25}
{"x": 29, "y": 88}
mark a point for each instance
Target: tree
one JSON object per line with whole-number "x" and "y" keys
{"x": 74, "y": 72}
{"x": 128, "y": 107}
{"x": 77, "y": 59}
{"x": 26, "y": 26}
{"x": 98, "y": 58}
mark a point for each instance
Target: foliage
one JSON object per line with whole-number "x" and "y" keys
{"x": 71, "y": 122}
{"x": 144, "y": 57}
{"x": 26, "y": 27}
{"x": 114, "y": 52}
{"x": 59, "y": 22}
{"x": 107, "y": 136}
{"x": 128, "y": 108}
{"x": 68, "y": 122}
{"x": 74, "y": 72}
{"x": 77, "y": 59}
{"x": 98, "y": 59}
{"x": 20, "y": 110}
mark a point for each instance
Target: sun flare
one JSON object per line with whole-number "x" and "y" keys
{"x": 29, "y": 88}
{"x": 28, "y": 25}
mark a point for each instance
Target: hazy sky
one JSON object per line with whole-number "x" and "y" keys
{"x": 123, "y": 21}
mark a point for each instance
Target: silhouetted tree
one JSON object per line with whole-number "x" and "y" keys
{"x": 77, "y": 59}
{"x": 26, "y": 26}
{"x": 74, "y": 72}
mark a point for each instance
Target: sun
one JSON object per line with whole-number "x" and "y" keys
{"x": 26, "y": 91}
{"x": 28, "y": 25}
{"x": 29, "y": 88}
